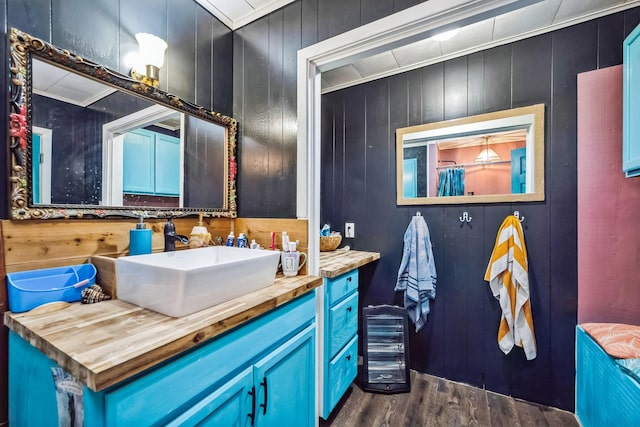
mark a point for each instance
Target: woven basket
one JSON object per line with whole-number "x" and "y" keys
{"x": 330, "y": 243}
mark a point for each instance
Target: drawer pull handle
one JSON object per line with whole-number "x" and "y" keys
{"x": 348, "y": 357}
{"x": 252, "y": 415}
{"x": 349, "y": 279}
{"x": 263, "y": 405}
{"x": 349, "y": 309}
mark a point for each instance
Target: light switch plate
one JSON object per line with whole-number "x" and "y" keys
{"x": 349, "y": 230}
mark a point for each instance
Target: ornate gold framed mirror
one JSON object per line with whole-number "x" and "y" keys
{"x": 87, "y": 141}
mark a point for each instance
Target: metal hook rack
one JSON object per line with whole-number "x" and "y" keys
{"x": 517, "y": 215}
{"x": 465, "y": 217}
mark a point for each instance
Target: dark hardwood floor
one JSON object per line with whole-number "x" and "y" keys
{"x": 438, "y": 402}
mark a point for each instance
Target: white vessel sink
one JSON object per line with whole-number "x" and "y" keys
{"x": 182, "y": 282}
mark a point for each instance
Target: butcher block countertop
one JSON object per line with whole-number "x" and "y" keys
{"x": 105, "y": 343}
{"x": 334, "y": 263}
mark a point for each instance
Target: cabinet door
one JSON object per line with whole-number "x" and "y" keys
{"x": 631, "y": 105}
{"x": 138, "y": 165}
{"x": 285, "y": 383}
{"x": 231, "y": 405}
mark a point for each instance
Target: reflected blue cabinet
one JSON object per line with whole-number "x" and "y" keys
{"x": 261, "y": 374}
{"x": 631, "y": 105}
{"x": 151, "y": 163}
{"x": 410, "y": 178}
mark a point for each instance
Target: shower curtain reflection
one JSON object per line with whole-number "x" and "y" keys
{"x": 451, "y": 181}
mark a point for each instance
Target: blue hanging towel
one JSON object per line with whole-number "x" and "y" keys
{"x": 417, "y": 273}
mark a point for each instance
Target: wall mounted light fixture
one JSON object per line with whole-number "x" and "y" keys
{"x": 151, "y": 54}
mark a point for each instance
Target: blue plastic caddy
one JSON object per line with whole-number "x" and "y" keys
{"x": 29, "y": 289}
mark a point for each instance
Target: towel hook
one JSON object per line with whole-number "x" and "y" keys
{"x": 465, "y": 217}
{"x": 517, "y": 215}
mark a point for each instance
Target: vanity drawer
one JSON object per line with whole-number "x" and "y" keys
{"x": 342, "y": 371}
{"x": 343, "y": 323}
{"x": 341, "y": 286}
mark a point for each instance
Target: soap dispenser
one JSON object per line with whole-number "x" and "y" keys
{"x": 140, "y": 239}
{"x": 200, "y": 236}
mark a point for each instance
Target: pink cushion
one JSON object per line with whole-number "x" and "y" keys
{"x": 618, "y": 340}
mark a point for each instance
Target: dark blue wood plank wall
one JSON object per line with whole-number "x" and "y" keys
{"x": 264, "y": 93}
{"x": 358, "y": 181}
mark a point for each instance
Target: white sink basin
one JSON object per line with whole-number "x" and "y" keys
{"x": 182, "y": 282}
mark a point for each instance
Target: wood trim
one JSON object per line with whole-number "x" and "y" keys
{"x": 52, "y": 243}
{"x": 37, "y": 244}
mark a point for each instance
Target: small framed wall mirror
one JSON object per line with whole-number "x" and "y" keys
{"x": 487, "y": 158}
{"x": 87, "y": 141}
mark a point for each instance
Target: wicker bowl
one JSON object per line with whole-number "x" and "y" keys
{"x": 330, "y": 243}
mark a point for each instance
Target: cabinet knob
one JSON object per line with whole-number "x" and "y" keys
{"x": 349, "y": 308}
{"x": 348, "y": 357}
{"x": 349, "y": 279}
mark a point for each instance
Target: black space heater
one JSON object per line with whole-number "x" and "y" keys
{"x": 385, "y": 349}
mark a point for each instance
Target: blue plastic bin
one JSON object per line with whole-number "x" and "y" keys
{"x": 29, "y": 289}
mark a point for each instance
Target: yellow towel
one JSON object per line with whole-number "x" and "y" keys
{"x": 508, "y": 276}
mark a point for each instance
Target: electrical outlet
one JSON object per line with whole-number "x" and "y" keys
{"x": 349, "y": 230}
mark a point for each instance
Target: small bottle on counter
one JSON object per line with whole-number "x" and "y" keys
{"x": 242, "y": 240}
{"x": 230, "y": 238}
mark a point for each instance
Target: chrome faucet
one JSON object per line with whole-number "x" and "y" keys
{"x": 170, "y": 236}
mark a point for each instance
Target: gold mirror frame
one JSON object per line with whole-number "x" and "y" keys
{"x": 449, "y": 128}
{"x": 23, "y": 47}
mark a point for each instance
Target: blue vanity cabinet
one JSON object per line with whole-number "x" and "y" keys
{"x": 261, "y": 373}
{"x": 631, "y": 104}
{"x": 340, "y": 361}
